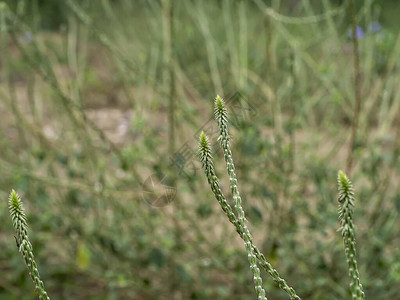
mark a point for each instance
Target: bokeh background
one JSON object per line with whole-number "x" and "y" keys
{"x": 101, "y": 103}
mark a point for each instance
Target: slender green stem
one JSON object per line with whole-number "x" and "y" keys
{"x": 222, "y": 120}
{"x": 24, "y": 246}
{"x": 346, "y": 203}
{"x": 357, "y": 88}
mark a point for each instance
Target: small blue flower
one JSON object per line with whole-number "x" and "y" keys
{"x": 359, "y": 33}
{"x": 374, "y": 27}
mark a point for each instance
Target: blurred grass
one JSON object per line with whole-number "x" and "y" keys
{"x": 86, "y": 119}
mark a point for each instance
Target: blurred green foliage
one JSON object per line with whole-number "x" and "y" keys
{"x": 86, "y": 117}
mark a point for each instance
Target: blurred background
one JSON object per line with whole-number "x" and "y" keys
{"x": 101, "y": 104}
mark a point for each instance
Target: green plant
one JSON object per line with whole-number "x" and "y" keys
{"x": 239, "y": 219}
{"x": 346, "y": 204}
{"x": 24, "y": 245}
{"x": 291, "y": 59}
